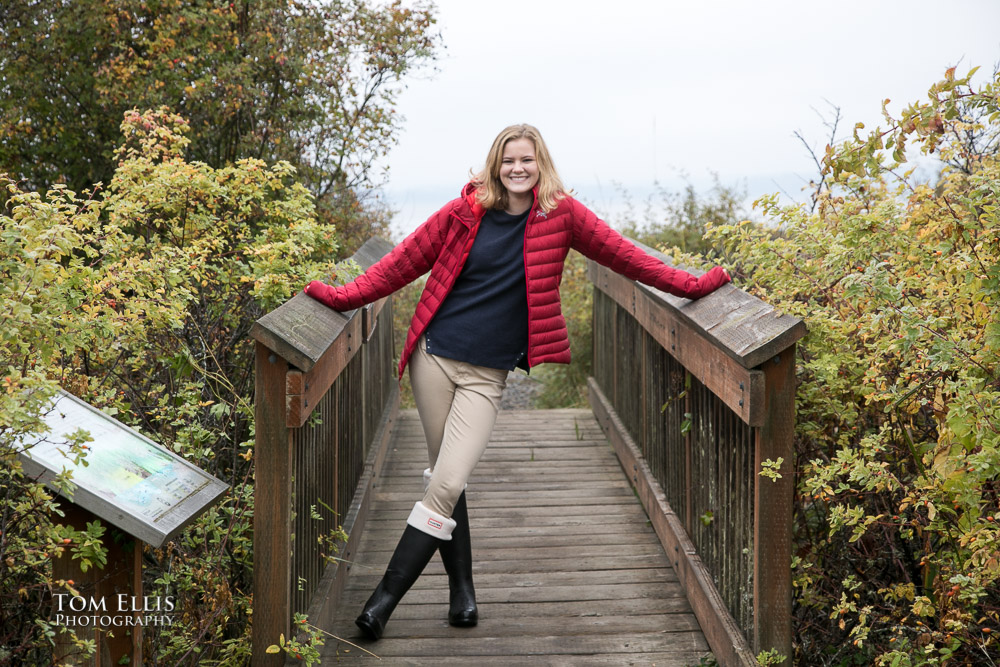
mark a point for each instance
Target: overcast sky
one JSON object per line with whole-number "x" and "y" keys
{"x": 632, "y": 91}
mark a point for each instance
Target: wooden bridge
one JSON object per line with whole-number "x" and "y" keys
{"x": 640, "y": 532}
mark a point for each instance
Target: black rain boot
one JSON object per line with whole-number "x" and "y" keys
{"x": 457, "y": 557}
{"x": 411, "y": 556}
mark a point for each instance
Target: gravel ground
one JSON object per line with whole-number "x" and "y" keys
{"x": 520, "y": 392}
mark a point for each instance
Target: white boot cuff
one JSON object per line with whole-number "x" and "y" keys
{"x": 428, "y": 521}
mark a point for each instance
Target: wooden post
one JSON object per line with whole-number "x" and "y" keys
{"x": 100, "y": 589}
{"x": 272, "y": 521}
{"x": 772, "y": 577}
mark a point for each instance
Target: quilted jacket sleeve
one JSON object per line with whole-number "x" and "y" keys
{"x": 405, "y": 263}
{"x": 595, "y": 239}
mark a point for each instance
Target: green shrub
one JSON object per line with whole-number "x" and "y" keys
{"x": 140, "y": 301}
{"x": 404, "y": 303}
{"x": 565, "y": 386}
{"x": 46, "y": 314}
{"x": 898, "y": 405}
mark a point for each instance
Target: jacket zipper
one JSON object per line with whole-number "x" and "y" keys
{"x": 524, "y": 255}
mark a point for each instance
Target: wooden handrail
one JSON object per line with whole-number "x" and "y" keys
{"x": 313, "y": 475}
{"x": 696, "y": 396}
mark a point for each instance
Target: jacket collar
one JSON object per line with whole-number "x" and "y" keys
{"x": 470, "y": 214}
{"x": 474, "y": 213}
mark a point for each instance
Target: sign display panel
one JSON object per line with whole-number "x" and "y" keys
{"x": 125, "y": 478}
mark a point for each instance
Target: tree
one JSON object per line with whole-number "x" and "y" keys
{"x": 310, "y": 83}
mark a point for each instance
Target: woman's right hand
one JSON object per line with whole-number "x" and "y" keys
{"x": 322, "y": 293}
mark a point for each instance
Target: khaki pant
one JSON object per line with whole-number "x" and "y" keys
{"x": 458, "y": 405}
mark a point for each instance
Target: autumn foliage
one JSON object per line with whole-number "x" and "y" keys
{"x": 898, "y": 408}
{"x": 139, "y": 299}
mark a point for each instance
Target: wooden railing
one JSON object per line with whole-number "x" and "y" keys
{"x": 326, "y": 398}
{"x": 696, "y": 396}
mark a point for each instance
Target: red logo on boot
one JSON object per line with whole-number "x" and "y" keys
{"x": 436, "y": 525}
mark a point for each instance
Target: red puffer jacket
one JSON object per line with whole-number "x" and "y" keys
{"x": 441, "y": 246}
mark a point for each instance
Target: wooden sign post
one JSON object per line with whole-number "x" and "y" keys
{"x": 146, "y": 493}
{"x": 109, "y": 606}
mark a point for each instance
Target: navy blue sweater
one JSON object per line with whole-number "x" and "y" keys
{"x": 484, "y": 319}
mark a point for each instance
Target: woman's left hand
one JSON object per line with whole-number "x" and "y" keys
{"x": 713, "y": 280}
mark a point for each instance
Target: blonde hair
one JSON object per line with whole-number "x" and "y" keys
{"x": 491, "y": 193}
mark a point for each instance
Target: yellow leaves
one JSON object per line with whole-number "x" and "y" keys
{"x": 922, "y": 606}
{"x": 981, "y": 313}
{"x": 990, "y": 561}
{"x": 900, "y": 592}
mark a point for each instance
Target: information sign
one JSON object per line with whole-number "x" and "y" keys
{"x": 128, "y": 480}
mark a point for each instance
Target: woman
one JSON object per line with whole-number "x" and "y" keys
{"x": 491, "y": 304}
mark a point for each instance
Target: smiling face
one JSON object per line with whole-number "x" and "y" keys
{"x": 518, "y": 164}
{"x": 519, "y": 170}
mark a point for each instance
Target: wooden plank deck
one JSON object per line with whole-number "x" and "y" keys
{"x": 567, "y": 569}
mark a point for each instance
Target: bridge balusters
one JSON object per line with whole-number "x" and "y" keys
{"x": 326, "y": 394}
{"x": 704, "y": 392}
